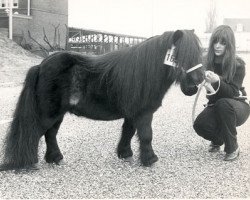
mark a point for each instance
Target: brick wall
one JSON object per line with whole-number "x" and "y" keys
{"x": 55, "y": 6}
{"x": 4, "y": 22}
{"x": 45, "y": 13}
{"x": 37, "y": 22}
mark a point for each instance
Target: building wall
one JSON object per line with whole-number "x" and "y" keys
{"x": 49, "y": 14}
{"x": 242, "y": 41}
{"x": 35, "y": 25}
{"x": 51, "y": 6}
{"x": 22, "y": 7}
{"x": 19, "y": 29}
{"x": 238, "y": 25}
{"x": 45, "y": 14}
{"x": 4, "y": 23}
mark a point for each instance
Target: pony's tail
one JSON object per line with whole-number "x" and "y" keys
{"x": 21, "y": 145}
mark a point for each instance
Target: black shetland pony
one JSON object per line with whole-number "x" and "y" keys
{"x": 129, "y": 83}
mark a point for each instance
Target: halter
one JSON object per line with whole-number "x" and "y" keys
{"x": 194, "y": 68}
{"x": 171, "y": 61}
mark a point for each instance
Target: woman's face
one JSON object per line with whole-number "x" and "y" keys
{"x": 219, "y": 48}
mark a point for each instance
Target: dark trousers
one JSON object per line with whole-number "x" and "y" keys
{"x": 218, "y": 123}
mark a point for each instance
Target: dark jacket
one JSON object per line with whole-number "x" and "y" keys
{"x": 233, "y": 89}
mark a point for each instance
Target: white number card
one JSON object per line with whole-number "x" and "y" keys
{"x": 170, "y": 57}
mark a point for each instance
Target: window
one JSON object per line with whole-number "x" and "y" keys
{"x": 5, "y": 4}
{"x": 239, "y": 27}
{"x": 15, "y": 3}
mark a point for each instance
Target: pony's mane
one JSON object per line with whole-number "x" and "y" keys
{"x": 134, "y": 73}
{"x": 138, "y": 72}
{"x": 149, "y": 54}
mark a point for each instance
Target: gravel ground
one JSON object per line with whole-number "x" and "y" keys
{"x": 91, "y": 168}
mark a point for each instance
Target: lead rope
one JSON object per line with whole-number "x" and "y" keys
{"x": 209, "y": 87}
{"x": 196, "y": 99}
{"x": 205, "y": 84}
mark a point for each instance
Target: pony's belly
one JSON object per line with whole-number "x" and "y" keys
{"x": 95, "y": 112}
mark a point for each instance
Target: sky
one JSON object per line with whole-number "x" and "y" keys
{"x": 151, "y": 17}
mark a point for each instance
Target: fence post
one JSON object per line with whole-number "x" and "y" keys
{"x": 11, "y": 19}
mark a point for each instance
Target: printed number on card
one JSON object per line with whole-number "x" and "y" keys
{"x": 170, "y": 57}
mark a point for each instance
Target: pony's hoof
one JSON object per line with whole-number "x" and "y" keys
{"x": 147, "y": 162}
{"x": 54, "y": 158}
{"x": 58, "y": 160}
{"x": 124, "y": 153}
{"x": 61, "y": 162}
{"x": 129, "y": 160}
{"x": 33, "y": 167}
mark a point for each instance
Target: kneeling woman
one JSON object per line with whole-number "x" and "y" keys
{"x": 228, "y": 107}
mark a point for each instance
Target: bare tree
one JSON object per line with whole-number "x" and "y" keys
{"x": 211, "y": 17}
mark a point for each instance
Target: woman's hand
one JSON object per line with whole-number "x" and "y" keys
{"x": 211, "y": 77}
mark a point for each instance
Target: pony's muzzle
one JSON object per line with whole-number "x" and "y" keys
{"x": 197, "y": 73}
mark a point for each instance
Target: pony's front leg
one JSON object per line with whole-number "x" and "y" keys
{"x": 144, "y": 131}
{"x": 124, "y": 146}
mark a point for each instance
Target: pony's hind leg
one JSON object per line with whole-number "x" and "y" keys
{"x": 53, "y": 153}
{"x": 144, "y": 131}
{"x": 124, "y": 146}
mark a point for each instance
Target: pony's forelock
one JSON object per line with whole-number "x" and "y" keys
{"x": 188, "y": 50}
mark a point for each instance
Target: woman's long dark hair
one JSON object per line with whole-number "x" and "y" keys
{"x": 225, "y": 35}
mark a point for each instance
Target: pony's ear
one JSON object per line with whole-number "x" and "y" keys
{"x": 177, "y": 35}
